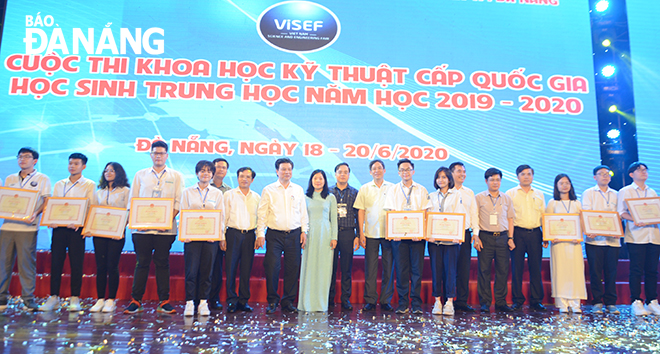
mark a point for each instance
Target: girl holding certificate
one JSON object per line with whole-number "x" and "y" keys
{"x": 318, "y": 253}
{"x": 113, "y": 191}
{"x": 200, "y": 255}
{"x": 566, "y": 259}
{"x": 444, "y": 254}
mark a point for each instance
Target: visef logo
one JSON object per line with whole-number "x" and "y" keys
{"x": 298, "y": 26}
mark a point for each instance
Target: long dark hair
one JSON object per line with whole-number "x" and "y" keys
{"x": 571, "y": 193}
{"x": 120, "y": 177}
{"x": 447, "y": 173}
{"x": 310, "y": 186}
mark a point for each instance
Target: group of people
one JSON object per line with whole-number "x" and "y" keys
{"x": 318, "y": 229}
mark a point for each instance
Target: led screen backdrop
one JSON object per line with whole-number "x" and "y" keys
{"x": 489, "y": 83}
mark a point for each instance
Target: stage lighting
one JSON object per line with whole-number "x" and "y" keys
{"x": 613, "y": 133}
{"x": 606, "y": 43}
{"x": 602, "y": 5}
{"x": 612, "y": 108}
{"x": 608, "y": 70}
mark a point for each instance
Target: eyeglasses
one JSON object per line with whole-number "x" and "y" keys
{"x": 24, "y": 157}
{"x": 158, "y": 154}
{"x": 603, "y": 174}
{"x": 404, "y": 170}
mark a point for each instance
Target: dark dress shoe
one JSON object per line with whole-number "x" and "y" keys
{"x": 538, "y": 307}
{"x": 289, "y": 308}
{"x": 347, "y": 306}
{"x": 231, "y": 308}
{"x": 369, "y": 307}
{"x": 245, "y": 308}
{"x": 504, "y": 308}
{"x": 484, "y": 308}
{"x": 516, "y": 307}
{"x": 386, "y": 307}
{"x": 271, "y": 308}
{"x": 215, "y": 305}
{"x": 463, "y": 308}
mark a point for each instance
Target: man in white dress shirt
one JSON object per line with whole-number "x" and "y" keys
{"x": 241, "y": 206}
{"x": 643, "y": 242}
{"x": 283, "y": 211}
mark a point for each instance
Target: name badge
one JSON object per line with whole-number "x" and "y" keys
{"x": 493, "y": 219}
{"x": 341, "y": 210}
{"x": 407, "y": 207}
{"x": 157, "y": 192}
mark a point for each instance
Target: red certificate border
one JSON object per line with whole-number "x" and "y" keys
{"x": 183, "y": 221}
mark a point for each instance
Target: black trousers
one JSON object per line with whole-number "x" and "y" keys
{"x": 643, "y": 261}
{"x": 409, "y": 260}
{"x": 603, "y": 261}
{"x": 278, "y": 242}
{"x": 240, "y": 250}
{"x": 529, "y": 241}
{"x": 66, "y": 239}
{"x": 216, "y": 276}
{"x": 148, "y": 247}
{"x": 199, "y": 257}
{"x": 463, "y": 270}
{"x": 371, "y": 271}
{"x": 497, "y": 248}
{"x": 107, "y": 253}
{"x": 343, "y": 253}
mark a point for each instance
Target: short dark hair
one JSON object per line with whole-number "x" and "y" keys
{"x": 373, "y": 162}
{"x": 600, "y": 167}
{"x": 310, "y": 186}
{"x": 282, "y": 160}
{"x": 492, "y": 172}
{"x": 220, "y": 159}
{"x": 454, "y": 164}
{"x": 447, "y": 173}
{"x": 343, "y": 164}
{"x": 120, "y": 176}
{"x": 77, "y": 155}
{"x": 35, "y": 154}
{"x": 522, "y": 168}
{"x": 238, "y": 173}
{"x": 402, "y": 161}
{"x": 159, "y": 143}
{"x": 635, "y": 166}
{"x": 571, "y": 193}
{"x": 204, "y": 163}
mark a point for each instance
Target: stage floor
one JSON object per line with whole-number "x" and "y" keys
{"x": 337, "y": 331}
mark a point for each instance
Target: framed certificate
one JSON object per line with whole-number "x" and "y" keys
{"x": 644, "y": 210}
{"x": 445, "y": 226}
{"x": 562, "y": 227}
{"x": 405, "y": 225}
{"x": 151, "y": 214}
{"x": 17, "y": 204}
{"x": 105, "y": 221}
{"x": 62, "y": 211}
{"x": 601, "y": 223}
{"x": 200, "y": 225}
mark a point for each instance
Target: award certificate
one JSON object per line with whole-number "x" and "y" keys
{"x": 151, "y": 214}
{"x": 562, "y": 227}
{"x": 445, "y": 227}
{"x": 62, "y": 211}
{"x": 601, "y": 223}
{"x": 17, "y": 204}
{"x": 200, "y": 225}
{"x": 644, "y": 210}
{"x": 405, "y": 224}
{"x": 105, "y": 221}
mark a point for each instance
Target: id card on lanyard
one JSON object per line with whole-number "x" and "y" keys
{"x": 157, "y": 192}
{"x": 493, "y": 215}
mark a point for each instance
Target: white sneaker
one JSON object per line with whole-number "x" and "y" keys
{"x": 638, "y": 308}
{"x": 190, "y": 309}
{"x": 109, "y": 306}
{"x": 203, "y": 309}
{"x": 74, "y": 304}
{"x": 51, "y": 304}
{"x": 613, "y": 310}
{"x": 563, "y": 310}
{"x": 98, "y": 306}
{"x": 448, "y": 309}
{"x": 576, "y": 309}
{"x": 653, "y": 308}
{"x": 598, "y": 309}
{"x": 437, "y": 308}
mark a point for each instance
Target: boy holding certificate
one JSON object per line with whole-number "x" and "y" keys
{"x": 643, "y": 243}
{"x": 70, "y": 237}
{"x": 18, "y": 239}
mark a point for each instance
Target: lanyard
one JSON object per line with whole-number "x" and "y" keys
{"x": 444, "y": 197}
{"x": 607, "y": 200}
{"x": 494, "y": 201}
{"x": 341, "y": 194}
{"x": 107, "y": 197}
{"x": 70, "y": 188}
{"x": 569, "y": 206}
{"x": 157, "y": 176}
{"x": 409, "y": 193}
{"x": 637, "y": 191}
{"x": 26, "y": 180}
{"x": 205, "y": 195}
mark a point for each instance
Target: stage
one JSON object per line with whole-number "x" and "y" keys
{"x": 337, "y": 331}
